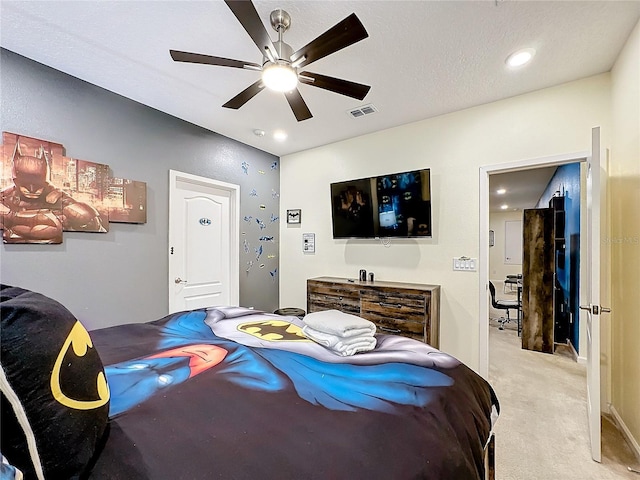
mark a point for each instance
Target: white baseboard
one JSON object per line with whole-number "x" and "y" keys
{"x": 577, "y": 358}
{"x": 633, "y": 443}
{"x": 574, "y": 354}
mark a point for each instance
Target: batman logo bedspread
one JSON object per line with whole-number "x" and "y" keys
{"x": 233, "y": 393}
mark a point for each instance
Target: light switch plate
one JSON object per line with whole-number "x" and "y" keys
{"x": 465, "y": 264}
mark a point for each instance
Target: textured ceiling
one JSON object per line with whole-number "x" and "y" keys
{"x": 523, "y": 188}
{"x": 422, "y": 59}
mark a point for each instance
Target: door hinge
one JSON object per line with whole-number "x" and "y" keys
{"x": 171, "y": 251}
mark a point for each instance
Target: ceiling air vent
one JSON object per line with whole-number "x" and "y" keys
{"x": 363, "y": 110}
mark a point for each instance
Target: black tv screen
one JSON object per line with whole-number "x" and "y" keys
{"x": 352, "y": 210}
{"x": 393, "y": 205}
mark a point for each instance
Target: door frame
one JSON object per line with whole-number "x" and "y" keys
{"x": 234, "y": 225}
{"x": 483, "y": 252}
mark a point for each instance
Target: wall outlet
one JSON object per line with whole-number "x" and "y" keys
{"x": 465, "y": 264}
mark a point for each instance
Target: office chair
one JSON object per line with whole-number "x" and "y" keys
{"x": 502, "y": 305}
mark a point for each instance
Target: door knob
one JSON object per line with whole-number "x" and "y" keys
{"x": 595, "y": 309}
{"x": 179, "y": 280}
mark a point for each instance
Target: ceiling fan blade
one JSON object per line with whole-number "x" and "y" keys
{"x": 345, "y": 33}
{"x": 245, "y": 95}
{"x": 189, "y": 57}
{"x": 336, "y": 85}
{"x": 298, "y": 105}
{"x": 247, "y": 15}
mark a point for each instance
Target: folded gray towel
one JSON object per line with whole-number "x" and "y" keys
{"x": 335, "y": 322}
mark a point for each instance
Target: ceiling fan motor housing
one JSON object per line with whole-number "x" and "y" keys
{"x": 280, "y": 20}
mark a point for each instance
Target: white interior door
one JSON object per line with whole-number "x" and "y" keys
{"x": 592, "y": 307}
{"x": 203, "y": 242}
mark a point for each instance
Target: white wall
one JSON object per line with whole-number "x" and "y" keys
{"x": 624, "y": 239}
{"x": 549, "y": 122}
{"x": 498, "y": 269}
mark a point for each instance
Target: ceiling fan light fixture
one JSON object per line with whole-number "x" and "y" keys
{"x": 280, "y": 77}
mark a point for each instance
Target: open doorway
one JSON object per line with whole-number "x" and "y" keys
{"x": 515, "y": 198}
{"x": 483, "y": 259}
{"x": 510, "y": 194}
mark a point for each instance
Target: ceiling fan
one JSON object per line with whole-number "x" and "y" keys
{"x": 280, "y": 63}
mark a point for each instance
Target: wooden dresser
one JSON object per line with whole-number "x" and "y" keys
{"x": 408, "y": 309}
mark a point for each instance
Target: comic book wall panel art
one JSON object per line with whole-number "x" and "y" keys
{"x": 31, "y": 205}
{"x": 127, "y": 200}
{"x": 44, "y": 192}
{"x": 86, "y": 183}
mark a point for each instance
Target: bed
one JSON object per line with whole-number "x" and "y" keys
{"x": 230, "y": 393}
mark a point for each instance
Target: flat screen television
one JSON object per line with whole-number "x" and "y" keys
{"x": 393, "y": 205}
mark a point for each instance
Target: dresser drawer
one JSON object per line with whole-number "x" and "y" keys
{"x": 318, "y": 303}
{"x": 414, "y": 330}
{"x": 396, "y": 313}
{"x": 324, "y": 296}
{"x": 333, "y": 289}
{"x": 402, "y": 307}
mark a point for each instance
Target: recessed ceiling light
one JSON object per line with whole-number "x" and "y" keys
{"x": 504, "y": 207}
{"x": 280, "y": 135}
{"x": 520, "y": 58}
{"x": 501, "y": 191}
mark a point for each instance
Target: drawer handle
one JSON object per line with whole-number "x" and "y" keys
{"x": 391, "y": 330}
{"x": 393, "y": 305}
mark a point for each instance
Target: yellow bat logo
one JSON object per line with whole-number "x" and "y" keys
{"x": 274, "y": 331}
{"x": 79, "y": 339}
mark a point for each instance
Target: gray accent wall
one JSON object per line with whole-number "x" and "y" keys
{"x": 121, "y": 276}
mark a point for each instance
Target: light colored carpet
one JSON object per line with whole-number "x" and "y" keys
{"x": 542, "y": 431}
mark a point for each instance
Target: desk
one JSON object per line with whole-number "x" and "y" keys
{"x": 511, "y": 280}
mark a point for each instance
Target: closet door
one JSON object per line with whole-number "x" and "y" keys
{"x": 538, "y": 270}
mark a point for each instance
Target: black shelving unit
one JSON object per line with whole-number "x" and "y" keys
{"x": 560, "y": 310}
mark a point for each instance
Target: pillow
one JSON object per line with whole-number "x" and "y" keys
{"x": 55, "y": 398}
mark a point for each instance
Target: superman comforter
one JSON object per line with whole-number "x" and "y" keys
{"x": 233, "y": 393}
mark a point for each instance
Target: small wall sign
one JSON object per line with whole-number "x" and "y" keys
{"x": 294, "y": 216}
